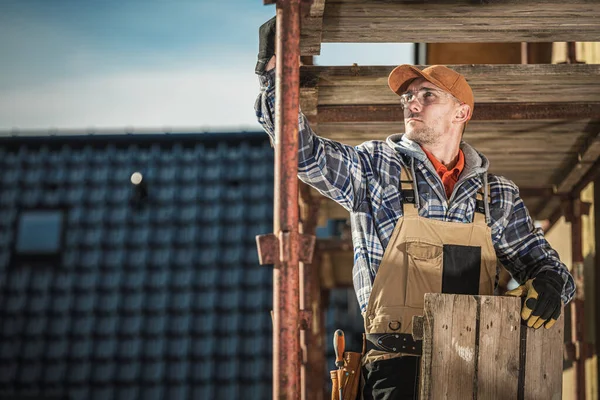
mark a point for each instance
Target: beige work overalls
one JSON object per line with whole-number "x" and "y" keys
{"x": 426, "y": 256}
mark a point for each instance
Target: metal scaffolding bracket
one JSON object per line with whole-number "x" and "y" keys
{"x": 274, "y": 250}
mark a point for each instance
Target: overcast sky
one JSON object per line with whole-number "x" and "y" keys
{"x": 152, "y": 64}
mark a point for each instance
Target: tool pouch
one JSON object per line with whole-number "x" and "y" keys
{"x": 347, "y": 377}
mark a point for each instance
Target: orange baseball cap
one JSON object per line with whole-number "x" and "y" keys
{"x": 440, "y": 75}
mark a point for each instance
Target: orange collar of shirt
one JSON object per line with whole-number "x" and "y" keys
{"x": 449, "y": 178}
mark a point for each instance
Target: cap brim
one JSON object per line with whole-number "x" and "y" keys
{"x": 401, "y": 76}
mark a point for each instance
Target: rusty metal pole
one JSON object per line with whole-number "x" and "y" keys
{"x": 577, "y": 304}
{"x": 597, "y": 273}
{"x": 286, "y": 319}
{"x": 311, "y": 340}
{"x": 572, "y": 53}
{"x": 286, "y": 247}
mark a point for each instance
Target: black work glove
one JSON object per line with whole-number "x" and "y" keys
{"x": 543, "y": 303}
{"x": 266, "y": 44}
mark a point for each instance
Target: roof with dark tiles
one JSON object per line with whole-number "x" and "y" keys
{"x": 164, "y": 300}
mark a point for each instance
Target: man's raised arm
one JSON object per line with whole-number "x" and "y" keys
{"x": 336, "y": 170}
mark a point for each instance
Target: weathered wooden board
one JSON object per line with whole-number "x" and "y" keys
{"x": 587, "y": 160}
{"x": 311, "y": 29}
{"x": 490, "y": 83}
{"x": 460, "y": 21}
{"x": 476, "y": 347}
{"x": 544, "y": 209}
{"x": 496, "y": 335}
{"x": 308, "y": 102}
{"x": 543, "y": 363}
{"x": 449, "y": 347}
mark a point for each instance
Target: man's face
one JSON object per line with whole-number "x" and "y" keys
{"x": 427, "y": 123}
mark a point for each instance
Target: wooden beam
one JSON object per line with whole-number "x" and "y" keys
{"x": 416, "y": 21}
{"x": 482, "y": 112}
{"x": 584, "y": 170}
{"x": 553, "y": 219}
{"x": 548, "y": 209}
{"x": 577, "y": 305}
{"x": 536, "y": 191}
{"x": 500, "y": 83}
{"x": 525, "y": 135}
{"x": 311, "y": 31}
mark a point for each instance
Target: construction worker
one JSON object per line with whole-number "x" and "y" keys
{"x": 426, "y": 216}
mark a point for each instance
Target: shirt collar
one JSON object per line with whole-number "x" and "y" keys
{"x": 441, "y": 168}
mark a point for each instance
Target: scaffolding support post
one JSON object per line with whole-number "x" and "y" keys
{"x": 578, "y": 347}
{"x": 286, "y": 248}
{"x": 311, "y": 339}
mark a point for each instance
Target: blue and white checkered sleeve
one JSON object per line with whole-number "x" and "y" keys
{"x": 334, "y": 169}
{"x": 524, "y": 250}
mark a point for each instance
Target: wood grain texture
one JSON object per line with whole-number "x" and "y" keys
{"x": 311, "y": 29}
{"x": 586, "y": 160}
{"x": 490, "y": 83}
{"x": 498, "y": 366}
{"x": 460, "y": 21}
{"x": 472, "y": 350}
{"x": 449, "y": 346}
{"x": 543, "y": 362}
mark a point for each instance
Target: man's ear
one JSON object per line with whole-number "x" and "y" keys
{"x": 463, "y": 113}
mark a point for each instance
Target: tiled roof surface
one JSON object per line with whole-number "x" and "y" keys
{"x": 166, "y": 301}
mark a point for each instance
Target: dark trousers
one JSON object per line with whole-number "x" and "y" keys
{"x": 392, "y": 379}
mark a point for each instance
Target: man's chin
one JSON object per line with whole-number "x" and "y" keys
{"x": 417, "y": 136}
{"x": 411, "y": 135}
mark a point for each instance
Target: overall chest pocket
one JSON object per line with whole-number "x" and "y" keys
{"x": 424, "y": 264}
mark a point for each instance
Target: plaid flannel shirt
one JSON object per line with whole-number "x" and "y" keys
{"x": 365, "y": 180}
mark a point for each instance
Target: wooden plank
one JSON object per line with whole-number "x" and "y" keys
{"x": 502, "y": 92}
{"x": 460, "y": 21}
{"x": 490, "y": 83}
{"x": 308, "y": 102}
{"x": 533, "y": 203}
{"x": 546, "y": 209}
{"x": 549, "y": 135}
{"x": 377, "y": 74}
{"x": 496, "y": 111}
{"x": 311, "y": 30}
{"x": 477, "y": 347}
{"x": 500, "y": 137}
{"x": 498, "y": 366}
{"x": 584, "y": 163}
{"x": 449, "y": 346}
{"x": 543, "y": 362}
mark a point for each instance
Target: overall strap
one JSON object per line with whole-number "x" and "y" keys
{"x": 408, "y": 192}
{"x": 481, "y": 216}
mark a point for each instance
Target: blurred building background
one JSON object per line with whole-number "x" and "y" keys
{"x": 110, "y": 290}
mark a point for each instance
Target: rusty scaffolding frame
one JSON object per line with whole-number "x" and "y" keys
{"x": 287, "y": 248}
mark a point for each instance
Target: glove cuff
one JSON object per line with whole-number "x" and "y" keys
{"x": 551, "y": 278}
{"x": 261, "y": 65}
